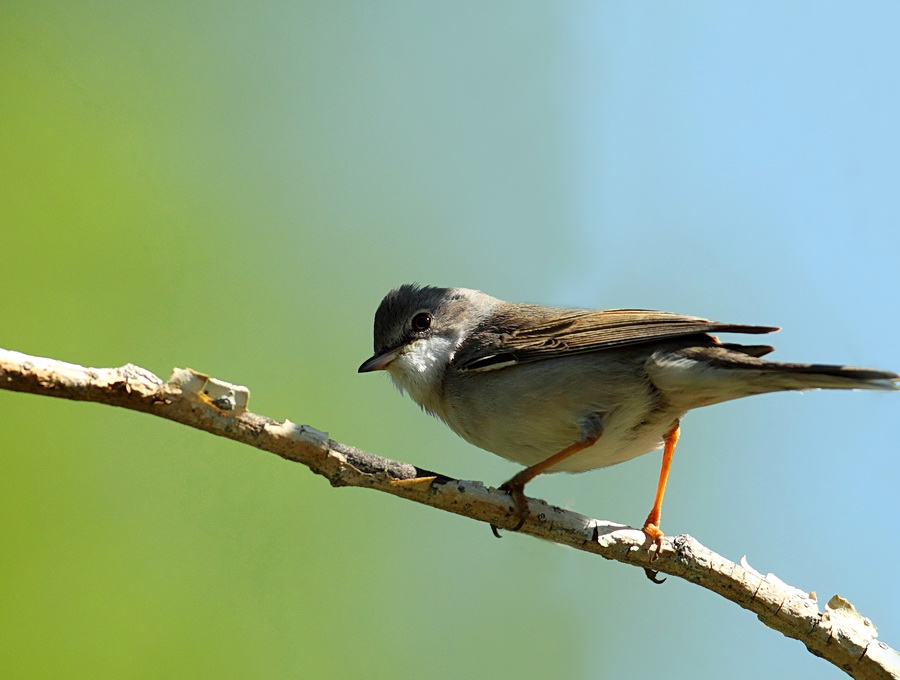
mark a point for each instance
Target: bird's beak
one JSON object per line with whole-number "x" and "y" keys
{"x": 380, "y": 361}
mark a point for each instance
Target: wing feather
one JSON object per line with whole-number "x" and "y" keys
{"x": 526, "y": 333}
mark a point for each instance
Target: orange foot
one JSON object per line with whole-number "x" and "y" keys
{"x": 655, "y": 534}
{"x": 520, "y": 504}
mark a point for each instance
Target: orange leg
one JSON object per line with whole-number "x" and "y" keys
{"x": 651, "y": 526}
{"x": 516, "y": 486}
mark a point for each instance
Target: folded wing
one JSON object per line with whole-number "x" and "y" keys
{"x": 535, "y": 333}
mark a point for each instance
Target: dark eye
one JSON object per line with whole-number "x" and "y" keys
{"x": 421, "y": 322}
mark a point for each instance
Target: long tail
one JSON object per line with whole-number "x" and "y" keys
{"x": 825, "y": 376}
{"x": 722, "y": 372}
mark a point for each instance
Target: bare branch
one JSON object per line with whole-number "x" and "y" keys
{"x": 839, "y": 634}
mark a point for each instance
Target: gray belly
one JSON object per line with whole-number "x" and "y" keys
{"x": 529, "y": 412}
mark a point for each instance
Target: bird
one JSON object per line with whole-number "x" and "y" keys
{"x": 572, "y": 390}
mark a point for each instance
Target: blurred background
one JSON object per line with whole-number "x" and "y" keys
{"x": 234, "y": 186}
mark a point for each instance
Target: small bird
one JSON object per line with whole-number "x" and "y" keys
{"x": 571, "y": 390}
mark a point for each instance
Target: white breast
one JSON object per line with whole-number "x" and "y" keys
{"x": 419, "y": 370}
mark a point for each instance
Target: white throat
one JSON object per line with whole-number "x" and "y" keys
{"x": 419, "y": 370}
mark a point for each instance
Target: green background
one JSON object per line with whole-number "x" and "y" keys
{"x": 234, "y": 186}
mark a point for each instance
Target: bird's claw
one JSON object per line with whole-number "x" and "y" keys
{"x": 520, "y": 506}
{"x": 653, "y": 575}
{"x": 654, "y": 533}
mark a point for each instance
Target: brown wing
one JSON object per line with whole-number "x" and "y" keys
{"x": 540, "y": 333}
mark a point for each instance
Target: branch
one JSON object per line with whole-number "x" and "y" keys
{"x": 839, "y": 634}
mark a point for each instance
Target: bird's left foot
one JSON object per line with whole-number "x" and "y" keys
{"x": 520, "y": 505}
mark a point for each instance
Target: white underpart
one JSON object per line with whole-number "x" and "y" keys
{"x": 419, "y": 369}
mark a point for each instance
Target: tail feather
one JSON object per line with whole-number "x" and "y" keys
{"x": 796, "y": 376}
{"x": 717, "y": 373}
{"x": 826, "y": 376}
{"x": 751, "y": 350}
